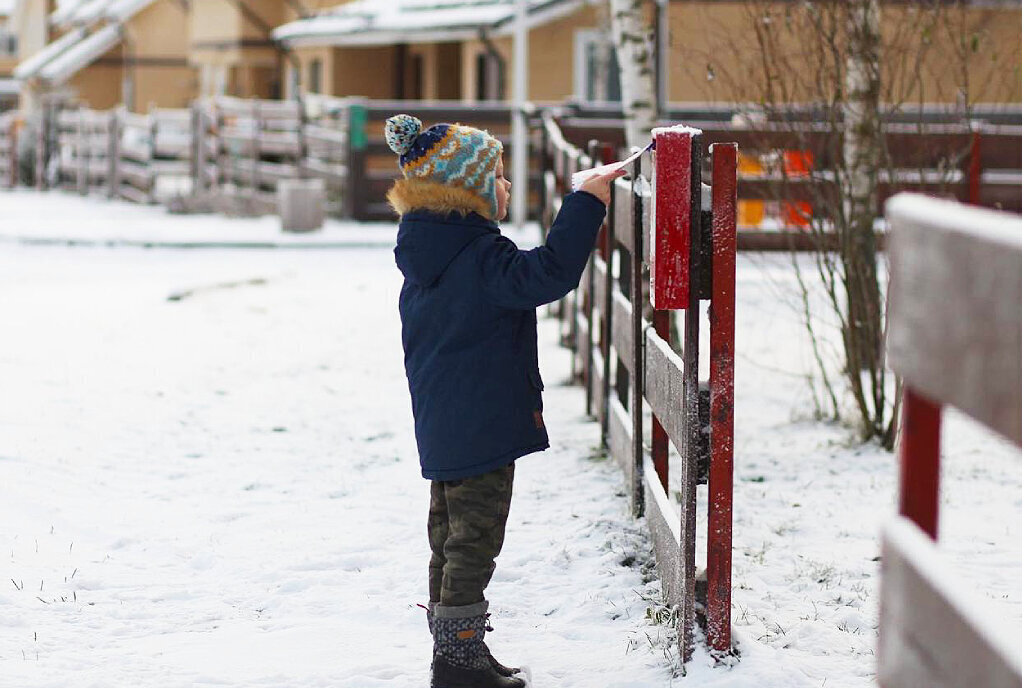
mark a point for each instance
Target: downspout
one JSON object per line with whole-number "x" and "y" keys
{"x": 492, "y": 52}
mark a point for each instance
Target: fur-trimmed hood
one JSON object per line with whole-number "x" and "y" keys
{"x": 416, "y": 194}
{"x": 437, "y": 223}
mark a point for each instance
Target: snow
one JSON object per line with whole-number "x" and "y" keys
{"x": 362, "y": 16}
{"x": 677, "y": 129}
{"x": 6, "y": 8}
{"x": 983, "y": 223}
{"x": 223, "y": 489}
{"x": 81, "y": 54}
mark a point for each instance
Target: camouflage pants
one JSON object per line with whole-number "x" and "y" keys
{"x": 466, "y": 528}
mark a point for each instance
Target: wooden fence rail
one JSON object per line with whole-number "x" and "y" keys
{"x": 625, "y": 360}
{"x": 964, "y": 263}
{"x": 793, "y": 167}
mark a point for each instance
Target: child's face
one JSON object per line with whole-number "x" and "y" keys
{"x": 501, "y": 188}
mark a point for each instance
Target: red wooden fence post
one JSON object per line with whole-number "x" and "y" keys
{"x": 974, "y": 170}
{"x": 723, "y": 336}
{"x": 919, "y": 462}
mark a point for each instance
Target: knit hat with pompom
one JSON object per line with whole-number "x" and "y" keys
{"x": 450, "y": 154}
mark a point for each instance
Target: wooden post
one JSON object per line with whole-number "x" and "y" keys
{"x": 919, "y": 462}
{"x": 606, "y": 330}
{"x": 114, "y": 153}
{"x": 722, "y": 314}
{"x": 81, "y": 156}
{"x": 13, "y": 136}
{"x": 355, "y": 175}
{"x": 42, "y": 140}
{"x": 974, "y": 169}
{"x": 688, "y": 165}
{"x": 637, "y": 378}
{"x": 588, "y": 379}
{"x": 257, "y": 130}
{"x": 154, "y": 131}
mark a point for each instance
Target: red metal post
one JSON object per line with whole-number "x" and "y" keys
{"x": 659, "y": 438}
{"x": 919, "y": 462}
{"x": 670, "y": 245}
{"x": 723, "y": 337}
{"x": 974, "y": 170}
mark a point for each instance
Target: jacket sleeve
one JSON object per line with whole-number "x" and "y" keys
{"x": 524, "y": 280}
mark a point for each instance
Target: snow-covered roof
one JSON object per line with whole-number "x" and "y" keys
{"x": 94, "y": 27}
{"x": 78, "y": 12}
{"x": 372, "y": 22}
{"x": 30, "y": 67}
{"x": 65, "y": 65}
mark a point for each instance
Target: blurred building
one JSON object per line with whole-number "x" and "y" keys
{"x": 168, "y": 52}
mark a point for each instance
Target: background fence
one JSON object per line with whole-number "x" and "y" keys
{"x": 238, "y": 150}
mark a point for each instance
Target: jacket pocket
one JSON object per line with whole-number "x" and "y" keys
{"x": 536, "y": 380}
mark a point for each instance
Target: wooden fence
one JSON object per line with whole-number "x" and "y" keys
{"x": 8, "y": 149}
{"x": 239, "y": 150}
{"x": 964, "y": 264}
{"x": 626, "y": 361}
{"x": 788, "y": 171}
{"x": 121, "y": 154}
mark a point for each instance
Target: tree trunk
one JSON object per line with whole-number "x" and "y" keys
{"x": 634, "y": 47}
{"x": 862, "y": 156}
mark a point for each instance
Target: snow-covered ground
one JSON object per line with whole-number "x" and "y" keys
{"x": 222, "y": 489}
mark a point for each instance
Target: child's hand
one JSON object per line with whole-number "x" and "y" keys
{"x": 600, "y": 185}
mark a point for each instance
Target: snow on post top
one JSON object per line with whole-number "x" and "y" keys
{"x": 677, "y": 129}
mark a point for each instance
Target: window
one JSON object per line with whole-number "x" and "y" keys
{"x": 316, "y": 68}
{"x": 8, "y": 43}
{"x": 596, "y": 68}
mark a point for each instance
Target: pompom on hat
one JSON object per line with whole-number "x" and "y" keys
{"x": 449, "y": 154}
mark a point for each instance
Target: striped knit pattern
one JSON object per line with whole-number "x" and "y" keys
{"x": 454, "y": 155}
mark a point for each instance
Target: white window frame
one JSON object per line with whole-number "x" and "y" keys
{"x": 582, "y": 39}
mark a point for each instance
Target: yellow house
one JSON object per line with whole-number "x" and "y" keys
{"x": 232, "y": 47}
{"x": 432, "y": 49}
{"x": 106, "y": 53}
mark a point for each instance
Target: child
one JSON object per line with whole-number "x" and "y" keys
{"x": 469, "y": 331}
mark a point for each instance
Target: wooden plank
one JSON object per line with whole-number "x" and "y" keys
{"x": 663, "y": 388}
{"x": 600, "y": 290}
{"x": 965, "y": 264}
{"x": 622, "y": 329}
{"x": 335, "y": 173}
{"x": 623, "y": 209}
{"x": 663, "y": 522}
{"x": 933, "y": 632}
{"x": 620, "y": 438}
{"x": 598, "y": 385}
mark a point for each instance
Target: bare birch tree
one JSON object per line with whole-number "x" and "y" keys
{"x": 634, "y": 47}
{"x": 827, "y": 75}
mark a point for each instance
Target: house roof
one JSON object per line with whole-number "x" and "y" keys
{"x": 94, "y": 27}
{"x": 79, "y": 12}
{"x": 371, "y": 22}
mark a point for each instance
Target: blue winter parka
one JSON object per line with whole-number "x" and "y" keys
{"x": 469, "y": 331}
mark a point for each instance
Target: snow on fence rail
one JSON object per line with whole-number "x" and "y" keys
{"x": 689, "y": 243}
{"x": 965, "y": 264}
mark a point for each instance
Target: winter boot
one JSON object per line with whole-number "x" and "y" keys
{"x": 461, "y": 659}
{"x": 498, "y": 666}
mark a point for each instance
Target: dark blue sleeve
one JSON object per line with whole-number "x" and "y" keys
{"x": 524, "y": 280}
